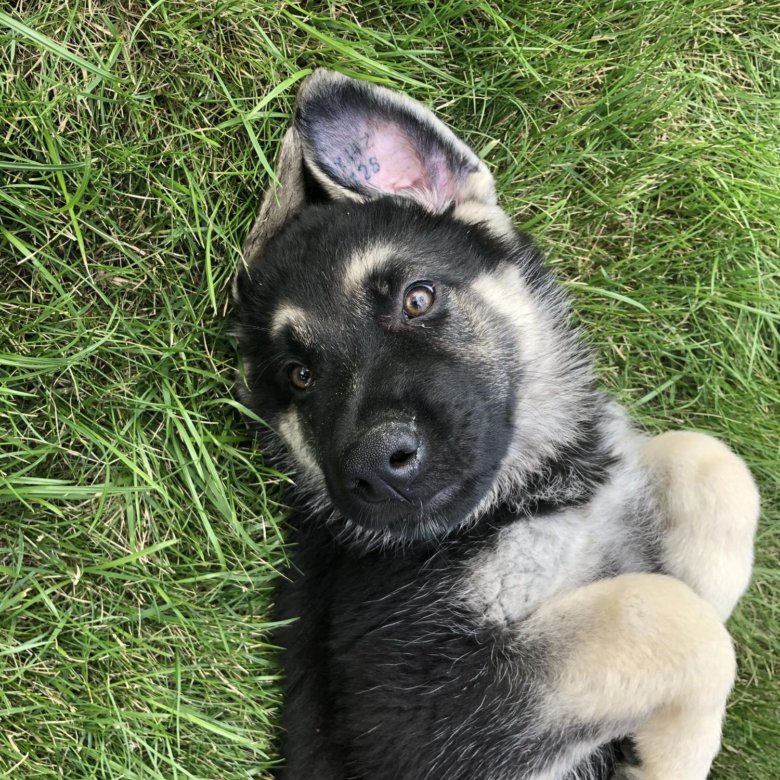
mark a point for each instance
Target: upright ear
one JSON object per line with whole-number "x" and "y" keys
{"x": 361, "y": 141}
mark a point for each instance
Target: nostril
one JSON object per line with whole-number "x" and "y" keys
{"x": 361, "y": 486}
{"x": 369, "y": 491}
{"x": 401, "y": 457}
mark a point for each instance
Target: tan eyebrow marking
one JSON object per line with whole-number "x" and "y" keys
{"x": 363, "y": 263}
{"x": 290, "y": 316}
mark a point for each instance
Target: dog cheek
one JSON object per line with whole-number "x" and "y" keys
{"x": 291, "y": 430}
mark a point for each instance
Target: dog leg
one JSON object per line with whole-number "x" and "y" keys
{"x": 643, "y": 654}
{"x": 710, "y": 505}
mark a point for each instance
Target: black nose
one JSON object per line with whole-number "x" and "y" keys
{"x": 385, "y": 462}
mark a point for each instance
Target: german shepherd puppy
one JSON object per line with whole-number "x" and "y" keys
{"x": 493, "y": 574}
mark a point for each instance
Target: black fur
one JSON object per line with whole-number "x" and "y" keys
{"x": 303, "y": 266}
{"x": 389, "y": 673}
{"x": 387, "y": 677}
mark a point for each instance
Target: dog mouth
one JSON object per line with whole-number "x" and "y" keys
{"x": 395, "y": 495}
{"x": 398, "y": 478}
{"x": 440, "y": 498}
{"x": 413, "y": 517}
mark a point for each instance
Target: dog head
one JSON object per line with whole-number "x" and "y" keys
{"x": 404, "y": 343}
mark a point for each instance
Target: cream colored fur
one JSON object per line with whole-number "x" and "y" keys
{"x": 710, "y": 506}
{"x": 641, "y": 649}
{"x": 362, "y": 264}
{"x": 290, "y": 430}
{"x": 287, "y": 315}
{"x": 644, "y": 654}
{"x": 646, "y": 648}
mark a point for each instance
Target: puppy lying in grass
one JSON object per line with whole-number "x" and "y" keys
{"x": 494, "y": 574}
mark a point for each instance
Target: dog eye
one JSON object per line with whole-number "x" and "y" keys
{"x": 418, "y": 298}
{"x": 300, "y": 376}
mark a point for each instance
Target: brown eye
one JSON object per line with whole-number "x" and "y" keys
{"x": 418, "y": 298}
{"x": 301, "y": 377}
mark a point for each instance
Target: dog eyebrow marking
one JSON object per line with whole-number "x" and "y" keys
{"x": 363, "y": 263}
{"x": 493, "y": 218}
{"x": 293, "y": 317}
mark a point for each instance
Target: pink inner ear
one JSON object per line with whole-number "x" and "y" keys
{"x": 399, "y": 166}
{"x": 379, "y": 155}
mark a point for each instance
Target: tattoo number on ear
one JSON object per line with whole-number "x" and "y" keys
{"x": 354, "y": 154}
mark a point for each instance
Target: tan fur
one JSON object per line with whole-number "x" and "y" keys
{"x": 541, "y": 417}
{"x": 504, "y": 291}
{"x": 641, "y": 649}
{"x": 362, "y": 264}
{"x": 480, "y": 187}
{"x": 287, "y": 315}
{"x": 644, "y": 655}
{"x": 290, "y": 430}
{"x": 711, "y": 507}
{"x": 494, "y": 218}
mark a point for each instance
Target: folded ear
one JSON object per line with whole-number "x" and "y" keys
{"x": 362, "y": 141}
{"x": 282, "y": 201}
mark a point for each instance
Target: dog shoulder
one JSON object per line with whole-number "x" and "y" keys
{"x": 539, "y": 556}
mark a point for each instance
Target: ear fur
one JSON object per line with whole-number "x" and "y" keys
{"x": 362, "y": 141}
{"x": 281, "y": 202}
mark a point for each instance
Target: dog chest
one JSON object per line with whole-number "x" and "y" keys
{"x": 530, "y": 562}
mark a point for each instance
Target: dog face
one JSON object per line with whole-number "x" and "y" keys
{"x": 403, "y": 342}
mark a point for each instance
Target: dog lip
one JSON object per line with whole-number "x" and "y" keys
{"x": 440, "y": 497}
{"x": 378, "y": 491}
{"x": 391, "y": 494}
{"x": 417, "y": 506}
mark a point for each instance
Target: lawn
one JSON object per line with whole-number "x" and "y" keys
{"x": 140, "y": 531}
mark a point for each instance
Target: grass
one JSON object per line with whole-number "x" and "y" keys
{"x": 139, "y": 533}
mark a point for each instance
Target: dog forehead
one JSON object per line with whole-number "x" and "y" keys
{"x": 295, "y": 318}
{"x": 334, "y": 266}
{"x": 338, "y": 282}
{"x": 366, "y": 262}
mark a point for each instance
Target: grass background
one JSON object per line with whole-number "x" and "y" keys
{"x": 138, "y": 530}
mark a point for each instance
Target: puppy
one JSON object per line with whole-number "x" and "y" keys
{"x": 493, "y": 574}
